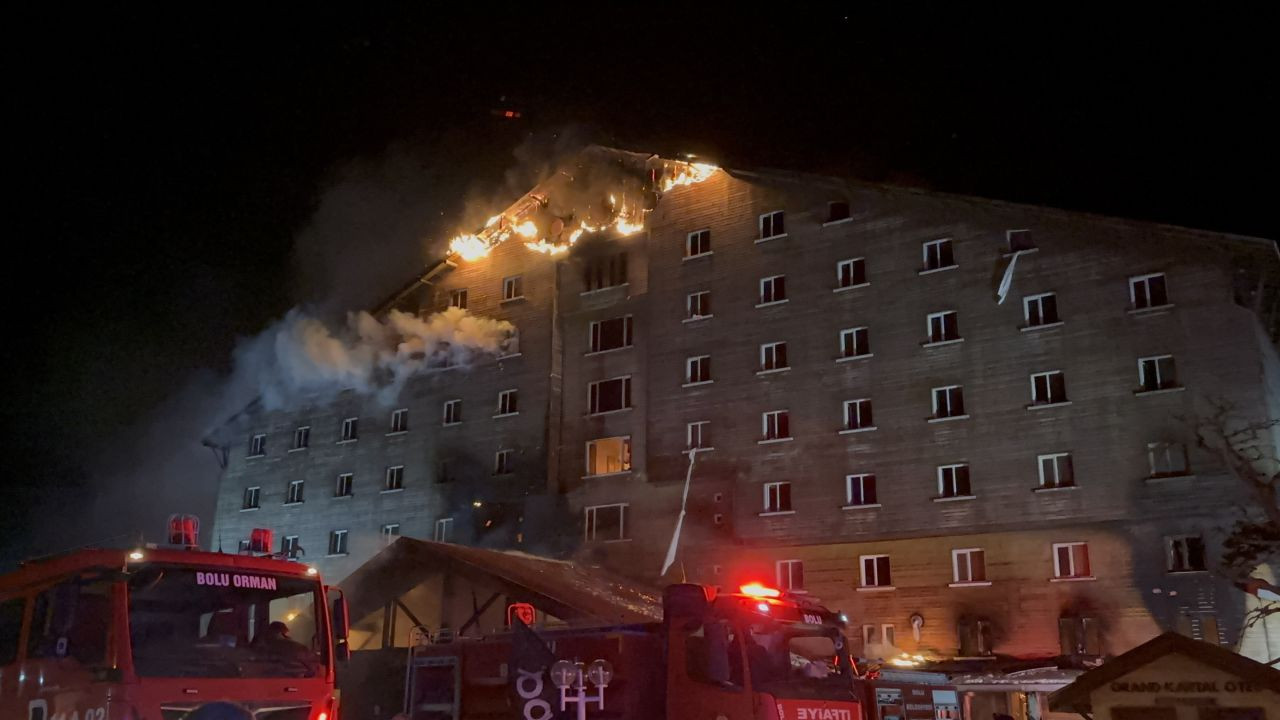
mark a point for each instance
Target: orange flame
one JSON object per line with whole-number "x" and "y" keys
{"x": 688, "y": 174}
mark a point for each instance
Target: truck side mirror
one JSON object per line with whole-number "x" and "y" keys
{"x": 341, "y": 626}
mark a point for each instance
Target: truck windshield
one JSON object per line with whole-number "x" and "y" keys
{"x": 187, "y": 622}
{"x": 776, "y": 655}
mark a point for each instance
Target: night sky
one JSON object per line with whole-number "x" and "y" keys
{"x": 183, "y": 180}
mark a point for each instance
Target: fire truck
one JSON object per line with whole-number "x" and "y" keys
{"x": 165, "y": 633}
{"x": 757, "y": 654}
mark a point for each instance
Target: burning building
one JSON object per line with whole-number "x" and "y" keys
{"x": 966, "y": 422}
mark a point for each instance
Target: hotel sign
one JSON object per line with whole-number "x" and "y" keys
{"x": 1186, "y": 686}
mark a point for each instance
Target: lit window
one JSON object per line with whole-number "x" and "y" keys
{"x": 855, "y": 342}
{"x": 777, "y": 497}
{"x": 938, "y": 255}
{"x": 875, "y": 571}
{"x": 611, "y": 334}
{"x": 609, "y": 455}
{"x": 508, "y": 403}
{"x": 1020, "y": 240}
{"x": 443, "y": 530}
{"x": 697, "y": 243}
{"x": 1167, "y": 459}
{"x": 857, "y": 414}
{"x": 344, "y": 485}
{"x": 943, "y": 326}
{"x": 609, "y": 395}
{"x": 697, "y": 370}
{"x": 504, "y": 462}
{"x": 860, "y": 490}
{"x": 948, "y": 402}
{"x": 513, "y": 287}
{"x": 252, "y": 495}
{"x": 338, "y": 542}
{"x": 969, "y": 565}
{"x": 350, "y": 430}
{"x": 698, "y": 435}
{"x": 1071, "y": 560}
{"x": 1040, "y": 309}
{"x": 773, "y": 289}
{"x": 1048, "y": 388}
{"x": 394, "y": 479}
{"x": 294, "y": 494}
{"x": 400, "y": 420}
{"x": 1056, "y": 471}
{"x": 775, "y": 425}
{"x": 953, "y": 481}
{"x": 1185, "y": 553}
{"x": 698, "y": 305}
{"x": 851, "y": 273}
{"x": 302, "y": 437}
{"x": 1148, "y": 291}
{"x": 772, "y": 225}
{"x": 773, "y": 356}
{"x": 258, "y": 446}
{"x": 458, "y": 298}
{"x": 1157, "y": 373}
{"x": 790, "y": 574}
{"x": 605, "y": 523}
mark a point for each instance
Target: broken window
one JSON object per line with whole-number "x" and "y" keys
{"x": 1148, "y": 291}
{"x": 1185, "y": 553}
{"x": 771, "y": 225}
{"x": 775, "y": 425}
{"x": 938, "y": 254}
{"x": 953, "y": 481}
{"x": 974, "y": 636}
{"x": 860, "y": 490}
{"x": 1019, "y": 240}
{"x": 609, "y": 455}
{"x": 857, "y": 414}
{"x": 773, "y": 289}
{"x": 837, "y": 210}
{"x": 1071, "y": 560}
{"x": 948, "y": 401}
{"x": 609, "y": 395}
{"x": 698, "y": 305}
{"x": 1056, "y": 470}
{"x": 605, "y": 272}
{"x": 943, "y": 326}
{"x": 790, "y": 574}
{"x": 611, "y": 334}
{"x": 1156, "y": 373}
{"x": 773, "y": 356}
{"x": 851, "y": 273}
{"x": 875, "y": 571}
{"x": 777, "y": 497}
{"x": 1040, "y": 309}
{"x": 1079, "y": 636}
{"x": 697, "y": 243}
{"x": 697, "y": 370}
{"x": 606, "y": 523}
{"x": 969, "y": 565}
{"x": 1048, "y": 388}
{"x": 1167, "y": 459}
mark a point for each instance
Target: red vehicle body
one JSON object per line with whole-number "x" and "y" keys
{"x": 156, "y": 634}
{"x": 754, "y": 655}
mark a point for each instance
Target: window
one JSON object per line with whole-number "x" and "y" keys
{"x": 943, "y": 326}
{"x": 771, "y": 225}
{"x": 790, "y": 574}
{"x": 290, "y": 547}
{"x": 400, "y": 420}
{"x": 1185, "y": 553}
{"x": 777, "y": 497}
{"x": 443, "y": 530}
{"x": 508, "y": 403}
{"x": 855, "y": 342}
{"x": 875, "y": 571}
{"x": 773, "y": 356}
{"x": 1157, "y": 373}
{"x": 70, "y": 620}
{"x": 243, "y": 546}
{"x": 1071, "y": 560}
{"x": 953, "y": 481}
{"x": 870, "y": 635}
{"x": 343, "y": 488}
{"x": 1081, "y": 636}
{"x": 837, "y": 210}
{"x": 258, "y": 446}
{"x": 11, "y": 612}
{"x": 697, "y": 243}
{"x": 698, "y": 435}
{"x": 1048, "y": 388}
{"x": 888, "y": 635}
{"x": 294, "y": 493}
{"x": 609, "y": 395}
{"x": 775, "y": 425}
{"x": 938, "y": 255}
{"x": 446, "y": 471}
{"x": 458, "y": 298}
{"x": 1167, "y": 459}
{"x": 698, "y": 305}
{"x": 857, "y": 414}
{"x": 394, "y": 479}
{"x": 773, "y": 289}
{"x": 390, "y": 532}
{"x": 350, "y": 429}
{"x": 968, "y": 565}
{"x": 1041, "y": 309}
{"x": 1020, "y": 240}
{"x": 697, "y": 370}
{"x": 605, "y": 272}
{"x": 452, "y": 412}
{"x": 302, "y": 437}
{"x": 948, "y": 402}
{"x": 338, "y": 542}
{"x": 851, "y": 273}
{"x": 860, "y": 490}
{"x": 609, "y": 455}
{"x": 504, "y": 462}
{"x": 1056, "y": 471}
{"x": 974, "y": 636}
{"x": 606, "y": 523}
{"x": 513, "y": 287}
{"x": 611, "y": 334}
{"x": 1148, "y": 291}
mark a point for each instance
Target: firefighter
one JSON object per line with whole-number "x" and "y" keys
{"x": 276, "y": 642}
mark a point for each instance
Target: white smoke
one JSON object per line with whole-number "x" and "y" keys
{"x": 301, "y": 358}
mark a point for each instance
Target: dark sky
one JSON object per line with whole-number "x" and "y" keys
{"x": 167, "y": 162}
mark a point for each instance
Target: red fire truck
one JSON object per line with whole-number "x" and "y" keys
{"x": 758, "y": 654}
{"x": 159, "y": 634}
